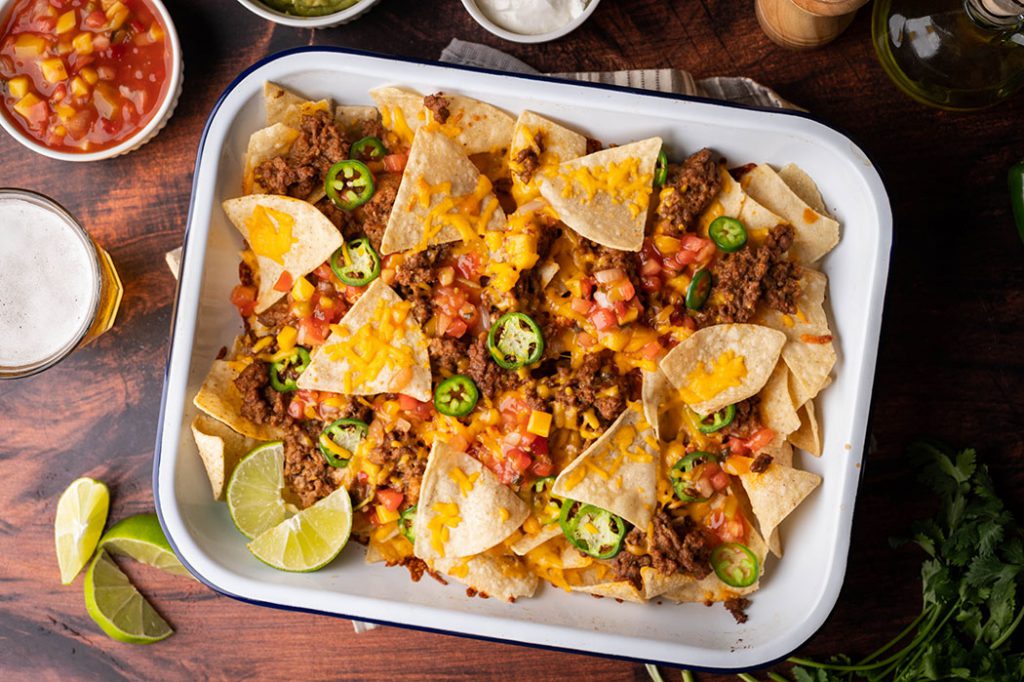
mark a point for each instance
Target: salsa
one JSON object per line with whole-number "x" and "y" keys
{"x": 82, "y": 75}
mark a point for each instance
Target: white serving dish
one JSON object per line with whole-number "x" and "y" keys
{"x": 798, "y": 592}
{"x": 481, "y": 18}
{"x": 159, "y": 121}
{"x": 326, "y": 21}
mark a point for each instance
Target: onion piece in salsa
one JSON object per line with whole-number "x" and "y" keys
{"x": 83, "y": 75}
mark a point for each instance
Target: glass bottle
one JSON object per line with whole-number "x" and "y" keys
{"x": 952, "y": 54}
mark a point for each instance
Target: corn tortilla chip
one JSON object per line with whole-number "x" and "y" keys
{"x": 733, "y": 202}
{"x": 815, "y": 234}
{"x": 527, "y": 543}
{"x": 462, "y": 499}
{"x": 351, "y": 117}
{"x": 220, "y": 398}
{"x": 277, "y": 100}
{"x": 655, "y": 393}
{"x": 549, "y": 142}
{"x": 474, "y": 125}
{"x": 265, "y": 144}
{"x": 723, "y": 364}
{"x": 377, "y": 347}
{"x": 776, "y": 407}
{"x": 622, "y": 590}
{"x": 804, "y": 187}
{"x": 618, "y": 472}
{"x": 776, "y": 492}
{"x": 286, "y": 234}
{"x": 501, "y": 576}
{"x": 220, "y": 448}
{"x": 604, "y": 196}
{"x": 442, "y": 198}
{"x": 807, "y": 437}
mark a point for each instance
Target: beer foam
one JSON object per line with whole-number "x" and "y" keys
{"x": 47, "y": 283}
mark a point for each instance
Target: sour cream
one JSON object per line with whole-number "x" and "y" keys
{"x": 532, "y": 17}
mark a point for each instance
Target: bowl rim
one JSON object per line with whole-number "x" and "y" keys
{"x": 324, "y": 21}
{"x": 482, "y": 19}
{"x": 143, "y": 134}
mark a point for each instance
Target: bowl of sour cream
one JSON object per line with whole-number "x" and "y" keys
{"x": 530, "y": 21}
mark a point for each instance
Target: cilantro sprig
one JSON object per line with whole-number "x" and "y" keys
{"x": 970, "y": 587}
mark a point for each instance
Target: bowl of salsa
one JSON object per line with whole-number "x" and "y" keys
{"x": 84, "y": 80}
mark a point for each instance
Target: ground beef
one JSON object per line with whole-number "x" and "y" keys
{"x": 245, "y": 277}
{"x": 739, "y": 171}
{"x": 305, "y": 470}
{"x": 261, "y": 404}
{"x": 398, "y": 451}
{"x": 490, "y": 379}
{"x": 445, "y": 353}
{"x": 761, "y": 463}
{"x": 581, "y": 388}
{"x": 594, "y": 145}
{"x": 372, "y": 127}
{"x": 745, "y": 277}
{"x": 527, "y": 163}
{"x": 626, "y": 565}
{"x": 318, "y": 146}
{"x": 343, "y": 220}
{"x": 679, "y": 547}
{"x": 416, "y": 277}
{"x": 746, "y": 421}
{"x": 696, "y": 182}
{"x": 373, "y": 215}
{"x": 418, "y": 568}
{"x": 737, "y": 607}
{"x": 438, "y": 106}
{"x": 275, "y": 315}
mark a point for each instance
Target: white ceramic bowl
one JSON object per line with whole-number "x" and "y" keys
{"x": 481, "y": 18}
{"x": 147, "y": 132}
{"x": 797, "y": 592}
{"x": 326, "y": 21}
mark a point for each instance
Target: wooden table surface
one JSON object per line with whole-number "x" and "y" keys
{"x": 950, "y": 362}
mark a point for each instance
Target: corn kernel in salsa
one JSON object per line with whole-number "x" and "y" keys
{"x": 82, "y": 75}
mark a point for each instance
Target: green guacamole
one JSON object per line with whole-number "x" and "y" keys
{"x": 309, "y": 8}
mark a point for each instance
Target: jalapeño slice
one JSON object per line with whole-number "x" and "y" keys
{"x": 356, "y": 263}
{"x": 545, "y": 508}
{"x": 661, "y": 169}
{"x": 285, "y": 372}
{"x": 728, "y": 234}
{"x": 592, "y": 530}
{"x": 735, "y": 564}
{"x": 340, "y": 439}
{"x": 456, "y": 396}
{"x": 697, "y": 292}
{"x": 405, "y": 524}
{"x": 719, "y": 420}
{"x": 349, "y": 184}
{"x": 368, "y": 149}
{"x": 685, "y": 472}
{"x": 515, "y": 340}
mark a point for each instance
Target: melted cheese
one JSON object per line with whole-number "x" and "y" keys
{"x": 370, "y": 350}
{"x": 468, "y": 214}
{"x": 270, "y": 233}
{"x": 394, "y": 120}
{"x": 621, "y": 181}
{"x": 464, "y": 482}
{"x": 704, "y": 383}
{"x": 446, "y": 516}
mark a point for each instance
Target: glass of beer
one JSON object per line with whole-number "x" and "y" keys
{"x": 58, "y": 288}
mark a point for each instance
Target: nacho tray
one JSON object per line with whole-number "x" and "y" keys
{"x": 797, "y": 593}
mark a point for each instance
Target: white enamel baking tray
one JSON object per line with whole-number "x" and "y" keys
{"x": 798, "y": 592}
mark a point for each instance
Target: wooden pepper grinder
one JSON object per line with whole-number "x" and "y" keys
{"x": 805, "y": 24}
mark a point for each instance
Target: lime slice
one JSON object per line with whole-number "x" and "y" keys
{"x": 118, "y": 608}
{"x": 254, "y": 491}
{"x": 81, "y": 515}
{"x": 140, "y": 537}
{"x": 309, "y": 540}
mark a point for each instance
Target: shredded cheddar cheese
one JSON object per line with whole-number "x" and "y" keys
{"x": 621, "y": 181}
{"x": 704, "y": 383}
{"x": 270, "y": 233}
{"x": 370, "y": 350}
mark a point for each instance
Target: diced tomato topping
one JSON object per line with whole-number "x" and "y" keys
{"x": 391, "y": 499}
{"x": 284, "y": 282}
{"x": 581, "y": 306}
{"x": 414, "y": 407}
{"x": 395, "y": 163}
{"x": 457, "y": 328}
{"x": 96, "y": 19}
{"x": 757, "y": 442}
{"x": 720, "y": 480}
{"x": 652, "y": 350}
{"x": 586, "y": 340}
{"x": 296, "y": 408}
{"x": 324, "y": 272}
{"x": 603, "y": 319}
{"x": 244, "y": 298}
{"x": 312, "y": 331}
{"x": 469, "y": 266}
{"x": 727, "y": 528}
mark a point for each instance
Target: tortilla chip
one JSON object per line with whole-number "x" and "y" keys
{"x": 277, "y": 100}
{"x": 379, "y": 325}
{"x": 815, "y": 234}
{"x": 701, "y": 355}
{"x": 551, "y": 143}
{"x": 623, "y": 590}
{"x": 475, "y": 497}
{"x": 501, "y": 576}
{"x": 474, "y": 125}
{"x": 618, "y": 472}
{"x": 776, "y": 492}
{"x": 776, "y": 407}
{"x": 573, "y": 558}
{"x": 804, "y": 187}
{"x": 655, "y": 393}
{"x": 351, "y": 117}
{"x": 441, "y": 191}
{"x": 220, "y": 448}
{"x": 809, "y": 352}
{"x": 710, "y": 588}
{"x": 308, "y": 237}
{"x": 219, "y": 398}
{"x": 733, "y": 202}
{"x": 265, "y": 144}
{"x": 807, "y": 437}
{"x": 528, "y": 543}
{"x": 604, "y": 196}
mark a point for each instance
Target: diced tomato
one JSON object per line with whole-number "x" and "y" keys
{"x": 622, "y": 290}
{"x": 312, "y": 332}
{"x": 586, "y": 287}
{"x": 297, "y": 408}
{"x": 650, "y": 267}
{"x": 586, "y": 340}
{"x": 650, "y": 283}
{"x": 542, "y": 466}
{"x": 519, "y": 459}
{"x": 603, "y": 319}
{"x": 137, "y": 26}
{"x": 469, "y": 266}
{"x": 457, "y": 328}
{"x": 395, "y": 163}
{"x": 95, "y": 19}
{"x": 244, "y": 298}
{"x": 652, "y": 350}
{"x": 324, "y": 272}
{"x": 284, "y": 282}
{"x": 720, "y": 480}
{"x": 727, "y": 528}
{"x": 414, "y": 407}
{"x": 581, "y": 306}
{"x": 391, "y": 499}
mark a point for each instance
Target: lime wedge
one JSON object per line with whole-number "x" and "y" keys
{"x": 254, "y": 491}
{"x": 118, "y": 608}
{"x": 140, "y": 537}
{"x": 309, "y": 540}
{"x": 81, "y": 515}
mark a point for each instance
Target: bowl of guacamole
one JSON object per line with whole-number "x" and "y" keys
{"x": 308, "y": 13}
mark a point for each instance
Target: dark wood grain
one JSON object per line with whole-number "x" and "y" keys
{"x": 951, "y": 362}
